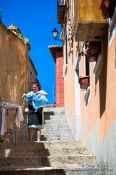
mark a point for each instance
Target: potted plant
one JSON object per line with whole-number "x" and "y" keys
{"x": 84, "y": 82}
{"x": 93, "y": 50}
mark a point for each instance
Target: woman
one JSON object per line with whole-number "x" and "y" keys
{"x": 36, "y": 99}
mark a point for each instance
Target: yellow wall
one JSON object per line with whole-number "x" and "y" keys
{"x": 89, "y": 10}
{"x": 13, "y": 65}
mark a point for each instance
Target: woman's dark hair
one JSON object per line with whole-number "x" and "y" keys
{"x": 38, "y": 84}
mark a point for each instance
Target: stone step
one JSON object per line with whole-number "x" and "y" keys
{"x": 51, "y": 119}
{"x": 57, "y": 117}
{"x": 84, "y": 170}
{"x": 10, "y": 138}
{"x": 50, "y": 116}
{"x": 53, "y": 126}
{"x": 24, "y": 138}
{"x": 31, "y": 152}
{"x": 52, "y": 131}
{"x": 32, "y": 171}
{"x": 49, "y": 134}
{"x": 57, "y": 155}
{"x": 50, "y": 126}
{"x": 55, "y": 161}
{"x": 44, "y": 145}
{"x": 56, "y": 131}
{"x": 52, "y": 123}
{"x": 56, "y": 126}
{"x": 58, "y": 110}
{"x": 56, "y": 137}
{"x": 60, "y": 121}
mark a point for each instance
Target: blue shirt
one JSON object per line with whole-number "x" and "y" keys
{"x": 37, "y": 100}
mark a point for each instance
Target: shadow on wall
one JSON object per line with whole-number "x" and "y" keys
{"x": 103, "y": 75}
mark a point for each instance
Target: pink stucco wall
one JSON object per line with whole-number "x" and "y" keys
{"x": 59, "y": 80}
{"x": 69, "y": 86}
{"x": 101, "y": 103}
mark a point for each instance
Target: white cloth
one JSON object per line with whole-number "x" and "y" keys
{"x": 19, "y": 114}
{"x": 42, "y": 91}
{"x": 3, "y": 128}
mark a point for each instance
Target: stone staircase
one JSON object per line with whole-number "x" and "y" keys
{"x": 56, "y": 154}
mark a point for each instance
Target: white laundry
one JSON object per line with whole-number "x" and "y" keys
{"x": 19, "y": 114}
{"x": 3, "y": 127}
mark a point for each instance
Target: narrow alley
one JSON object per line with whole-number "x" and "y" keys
{"x": 57, "y": 95}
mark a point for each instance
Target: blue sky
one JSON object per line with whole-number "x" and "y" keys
{"x": 36, "y": 19}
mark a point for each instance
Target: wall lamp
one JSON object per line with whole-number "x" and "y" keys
{"x": 55, "y": 34}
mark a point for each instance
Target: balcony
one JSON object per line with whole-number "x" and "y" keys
{"x": 60, "y": 11}
{"x": 93, "y": 51}
{"x": 89, "y": 21}
{"x": 108, "y": 7}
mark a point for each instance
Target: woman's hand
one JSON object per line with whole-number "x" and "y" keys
{"x": 24, "y": 95}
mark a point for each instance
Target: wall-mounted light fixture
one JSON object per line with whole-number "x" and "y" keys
{"x": 55, "y": 34}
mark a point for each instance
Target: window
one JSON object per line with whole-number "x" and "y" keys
{"x": 66, "y": 45}
{"x": 87, "y": 69}
{"x": 66, "y": 48}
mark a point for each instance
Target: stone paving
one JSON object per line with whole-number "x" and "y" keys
{"x": 57, "y": 154}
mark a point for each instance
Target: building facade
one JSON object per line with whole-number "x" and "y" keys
{"x": 17, "y": 69}
{"x": 57, "y": 53}
{"x": 17, "y": 72}
{"x": 89, "y": 48}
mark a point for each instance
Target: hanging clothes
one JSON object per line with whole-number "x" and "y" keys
{"x": 3, "y": 126}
